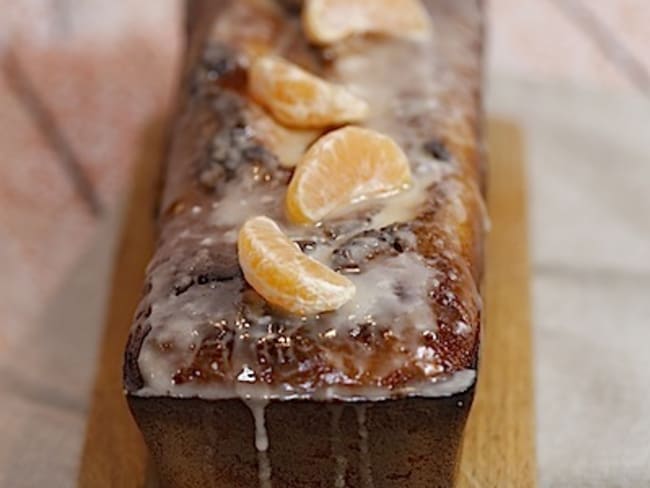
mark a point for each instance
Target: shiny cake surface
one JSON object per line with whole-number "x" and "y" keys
{"x": 415, "y": 258}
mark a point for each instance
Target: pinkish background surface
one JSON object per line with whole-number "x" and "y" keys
{"x": 553, "y": 40}
{"x": 572, "y": 72}
{"x": 105, "y": 70}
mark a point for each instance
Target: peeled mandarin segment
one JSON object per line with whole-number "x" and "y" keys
{"x": 297, "y": 98}
{"x": 343, "y": 167}
{"x": 329, "y": 21}
{"x": 286, "y": 277}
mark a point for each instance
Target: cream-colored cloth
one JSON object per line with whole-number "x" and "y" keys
{"x": 589, "y": 175}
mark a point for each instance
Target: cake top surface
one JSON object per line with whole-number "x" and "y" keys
{"x": 414, "y": 257}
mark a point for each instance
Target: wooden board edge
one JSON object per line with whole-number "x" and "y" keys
{"x": 499, "y": 448}
{"x": 114, "y": 453}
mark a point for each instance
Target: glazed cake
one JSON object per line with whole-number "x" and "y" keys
{"x": 311, "y": 315}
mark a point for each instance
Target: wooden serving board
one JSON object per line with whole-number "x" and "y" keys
{"x": 499, "y": 447}
{"x": 499, "y": 443}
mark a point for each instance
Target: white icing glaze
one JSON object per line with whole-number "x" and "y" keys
{"x": 392, "y": 103}
{"x": 462, "y": 328}
{"x": 364, "y": 453}
{"x": 264, "y": 469}
{"x": 364, "y": 66}
{"x": 376, "y": 294}
{"x": 243, "y": 200}
{"x": 437, "y": 387}
{"x": 405, "y": 205}
{"x": 258, "y": 409}
{"x": 341, "y": 462}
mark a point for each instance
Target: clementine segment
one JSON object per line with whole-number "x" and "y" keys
{"x": 342, "y": 168}
{"x": 299, "y": 99}
{"x": 329, "y": 21}
{"x": 286, "y": 277}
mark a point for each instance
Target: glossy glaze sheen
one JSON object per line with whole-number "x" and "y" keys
{"x": 201, "y": 331}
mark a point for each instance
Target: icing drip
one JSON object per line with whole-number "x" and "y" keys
{"x": 364, "y": 452}
{"x": 336, "y": 411}
{"x": 264, "y": 469}
{"x": 258, "y": 409}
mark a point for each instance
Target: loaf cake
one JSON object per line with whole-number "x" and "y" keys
{"x": 312, "y": 312}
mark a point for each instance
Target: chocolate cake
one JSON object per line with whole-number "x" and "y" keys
{"x": 230, "y": 390}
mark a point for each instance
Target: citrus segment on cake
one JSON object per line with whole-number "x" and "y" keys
{"x": 286, "y": 277}
{"x": 343, "y": 167}
{"x": 298, "y": 98}
{"x": 329, "y": 21}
